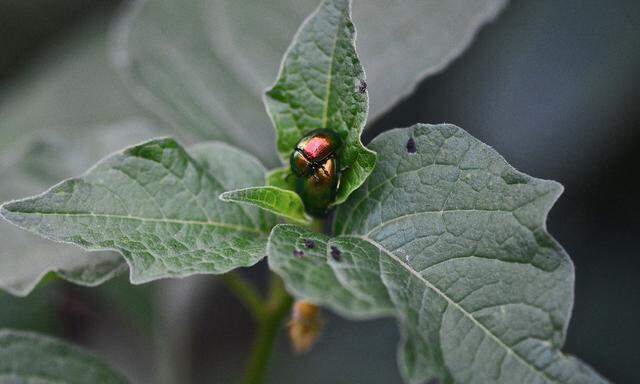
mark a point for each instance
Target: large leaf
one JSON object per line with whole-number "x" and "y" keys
{"x": 203, "y": 64}
{"x": 35, "y": 162}
{"x": 157, "y": 206}
{"x": 453, "y": 240}
{"x": 67, "y": 112}
{"x": 319, "y": 87}
{"x": 70, "y": 85}
{"x": 35, "y": 359}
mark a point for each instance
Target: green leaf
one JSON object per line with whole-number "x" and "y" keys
{"x": 318, "y": 87}
{"x": 281, "y": 178}
{"x": 282, "y": 202}
{"x": 157, "y": 206}
{"x": 29, "y": 166}
{"x": 36, "y": 359}
{"x": 67, "y": 112}
{"x": 300, "y": 257}
{"x": 202, "y": 65}
{"x": 454, "y": 240}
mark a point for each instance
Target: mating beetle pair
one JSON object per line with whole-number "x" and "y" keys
{"x": 314, "y": 162}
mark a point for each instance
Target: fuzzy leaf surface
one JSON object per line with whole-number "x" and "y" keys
{"x": 30, "y": 358}
{"x": 158, "y": 206}
{"x": 453, "y": 239}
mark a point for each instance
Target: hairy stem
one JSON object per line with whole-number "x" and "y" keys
{"x": 268, "y": 313}
{"x": 246, "y": 292}
{"x": 276, "y": 308}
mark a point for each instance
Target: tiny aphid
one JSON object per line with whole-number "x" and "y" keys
{"x": 314, "y": 162}
{"x": 297, "y": 253}
{"x": 308, "y": 243}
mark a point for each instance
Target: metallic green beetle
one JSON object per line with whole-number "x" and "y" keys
{"x": 314, "y": 162}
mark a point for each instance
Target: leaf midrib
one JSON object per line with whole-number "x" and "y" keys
{"x": 147, "y": 219}
{"x": 429, "y": 285}
{"x": 325, "y": 106}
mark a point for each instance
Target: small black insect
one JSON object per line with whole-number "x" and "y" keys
{"x": 362, "y": 88}
{"x": 297, "y": 253}
{"x": 308, "y": 243}
{"x": 336, "y": 254}
{"x": 411, "y": 145}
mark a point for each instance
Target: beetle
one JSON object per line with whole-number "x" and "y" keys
{"x": 314, "y": 162}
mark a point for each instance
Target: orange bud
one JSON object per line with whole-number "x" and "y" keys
{"x": 305, "y": 325}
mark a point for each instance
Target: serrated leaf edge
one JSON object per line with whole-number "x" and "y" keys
{"x": 5, "y": 213}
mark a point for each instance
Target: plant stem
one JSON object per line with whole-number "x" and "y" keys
{"x": 246, "y": 292}
{"x": 317, "y": 225}
{"x": 275, "y": 310}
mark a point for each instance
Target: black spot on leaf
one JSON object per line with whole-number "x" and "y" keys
{"x": 297, "y": 253}
{"x": 362, "y": 88}
{"x": 336, "y": 254}
{"x": 411, "y": 145}
{"x": 308, "y": 243}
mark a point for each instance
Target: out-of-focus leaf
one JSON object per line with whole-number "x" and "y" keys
{"x": 35, "y": 359}
{"x": 451, "y": 239}
{"x": 37, "y": 312}
{"x": 64, "y": 114}
{"x": 72, "y": 85}
{"x": 158, "y": 207}
{"x": 202, "y": 65}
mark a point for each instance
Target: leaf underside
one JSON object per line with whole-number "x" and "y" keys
{"x": 158, "y": 206}
{"x": 319, "y": 87}
{"x": 451, "y": 240}
{"x": 34, "y": 359}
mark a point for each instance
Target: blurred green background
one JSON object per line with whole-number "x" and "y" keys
{"x": 553, "y": 86}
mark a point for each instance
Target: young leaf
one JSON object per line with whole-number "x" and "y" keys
{"x": 319, "y": 87}
{"x": 282, "y": 202}
{"x": 281, "y": 178}
{"x": 202, "y": 65}
{"x": 157, "y": 206}
{"x": 455, "y": 239}
{"x": 32, "y": 358}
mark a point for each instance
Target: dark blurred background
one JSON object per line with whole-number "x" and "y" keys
{"x": 554, "y": 86}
